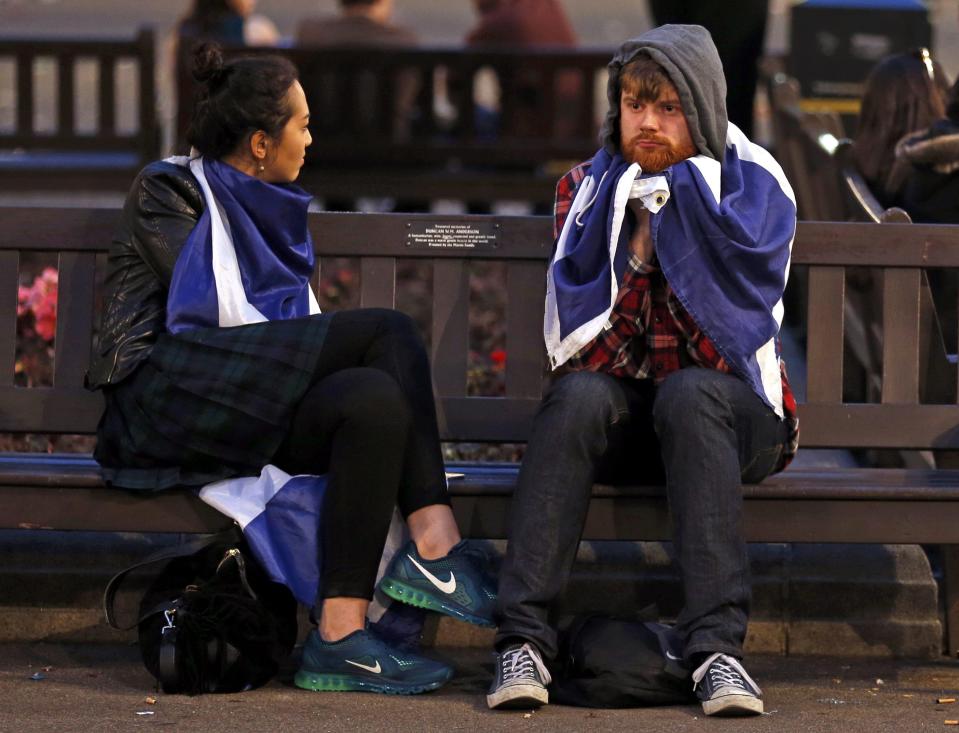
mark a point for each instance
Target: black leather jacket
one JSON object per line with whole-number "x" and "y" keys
{"x": 161, "y": 209}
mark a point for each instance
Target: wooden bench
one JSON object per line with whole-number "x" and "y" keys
{"x": 824, "y": 505}
{"x": 385, "y": 124}
{"x": 60, "y": 156}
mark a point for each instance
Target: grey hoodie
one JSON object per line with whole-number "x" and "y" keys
{"x": 689, "y": 56}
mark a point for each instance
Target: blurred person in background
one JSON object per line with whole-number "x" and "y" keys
{"x": 230, "y": 22}
{"x": 363, "y": 23}
{"x": 359, "y": 23}
{"x": 520, "y": 24}
{"x": 738, "y": 28}
{"x": 524, "y": 24}
{"x": 926, "y": 170}
{"x": 905, "y": 94}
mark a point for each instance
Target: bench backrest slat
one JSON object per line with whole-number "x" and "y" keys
{"x": 525, "y": 293}
{"x": 495, "y": 419}
{"x": 106, "y": 96}
{"x": 9, "y": 279}
{"x": 77, "y": 274}
{"x": 450, "y": 327}
{"x": 900, "y": 340}
{"x": 49, "y": 410}
{"x": 65, "y": 94}
{"x": 825, "y": 334}
{"x": 378, "y": 282}
{"x": 896, "y": 426}
{"x": 24, "y": 61}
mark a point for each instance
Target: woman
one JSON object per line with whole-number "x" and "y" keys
{"x": 931, "y": 159}
{"x": 904, "y": 93}
{"x": 207, "y": 377}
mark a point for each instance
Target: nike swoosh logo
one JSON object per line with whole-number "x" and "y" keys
{"x": 448, "y": 586}
{"x": 670, "y": 655}
{"x": 375, "y": 669}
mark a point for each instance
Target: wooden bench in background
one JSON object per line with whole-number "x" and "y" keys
{"x": 826, "y": 505}
{"x": 817, "y": 158}
{"x": 60, "y": 156}
{"x": 382, "y": 125}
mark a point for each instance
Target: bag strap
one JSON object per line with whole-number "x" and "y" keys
{"x": 169, "y": 678}
{"x": 167, "y": 553}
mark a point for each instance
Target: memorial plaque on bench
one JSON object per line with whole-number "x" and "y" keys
{"x": 439, "y": 234}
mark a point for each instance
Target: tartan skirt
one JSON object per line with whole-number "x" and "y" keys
{"x": 208, "y": 404}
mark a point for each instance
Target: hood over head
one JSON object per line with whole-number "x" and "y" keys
{"x": 689, "y": 57}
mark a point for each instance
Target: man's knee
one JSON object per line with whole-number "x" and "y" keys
{"x": 689, "y": 394}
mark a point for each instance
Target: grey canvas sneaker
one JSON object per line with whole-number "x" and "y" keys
{"x": 725, "y": 689}
{"x": 521, "y": 679}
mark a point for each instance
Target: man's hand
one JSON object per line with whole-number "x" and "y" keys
{"x": 641, "y": 243}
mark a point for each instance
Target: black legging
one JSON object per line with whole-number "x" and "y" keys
{"x": 369, "y": 422}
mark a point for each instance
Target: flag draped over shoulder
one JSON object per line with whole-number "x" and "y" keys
{"x": 249, "y": 258}
{"x": 723, "y": 241}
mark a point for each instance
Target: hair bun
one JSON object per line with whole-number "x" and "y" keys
{"x": 208, "y": 67}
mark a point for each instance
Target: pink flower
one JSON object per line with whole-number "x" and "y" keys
{"x": 40, "y": 300}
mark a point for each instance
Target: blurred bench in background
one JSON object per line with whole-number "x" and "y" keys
{"x": 423, "y": 124}
{"x": 76, "y": 124}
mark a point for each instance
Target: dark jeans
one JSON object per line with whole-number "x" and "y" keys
{"x": 703, "y": 431}
{"x": 369, "y": 421}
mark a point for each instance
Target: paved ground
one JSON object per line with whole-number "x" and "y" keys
{"x": 101, "y": 688}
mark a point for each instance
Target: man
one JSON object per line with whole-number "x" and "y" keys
{"x": 664, "y": 298}
{"x": 521, "y": 24}
{"x": 360, "y": 23}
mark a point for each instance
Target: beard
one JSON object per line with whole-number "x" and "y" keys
{"x": 655, "y": 160}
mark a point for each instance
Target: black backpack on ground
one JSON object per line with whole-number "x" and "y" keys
{"x": 211, "y": 621}
{"x": 607, "y": 662}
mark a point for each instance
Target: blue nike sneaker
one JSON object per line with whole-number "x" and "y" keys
{"x": 455, "y": 585}
{"x": 364, "y": 663}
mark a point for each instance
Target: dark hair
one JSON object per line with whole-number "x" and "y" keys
{"x": 901, "y": 97}
{"x": 236, "y": 98}
{"x": 952, "y": 103}
{"x": 206, "y": 18}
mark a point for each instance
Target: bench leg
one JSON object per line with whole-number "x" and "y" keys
{"x": 950, "y": 576}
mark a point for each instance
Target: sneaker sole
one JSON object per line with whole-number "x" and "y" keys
{"x": 400, "y": 591}
{"x": 517, "y": 697}
{"x": 732, "y": 706}
{"x": 348, "y": 683}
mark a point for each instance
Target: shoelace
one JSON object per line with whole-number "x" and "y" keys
{"x": 724, "y": 670}
{"x": 520, "y": 663}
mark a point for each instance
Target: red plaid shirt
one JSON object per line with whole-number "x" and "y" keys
{"x": 649, "y": 334}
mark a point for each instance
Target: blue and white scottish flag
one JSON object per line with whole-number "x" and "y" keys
{"x": 723, "y": 236}
{"x": 279, "y": 515}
